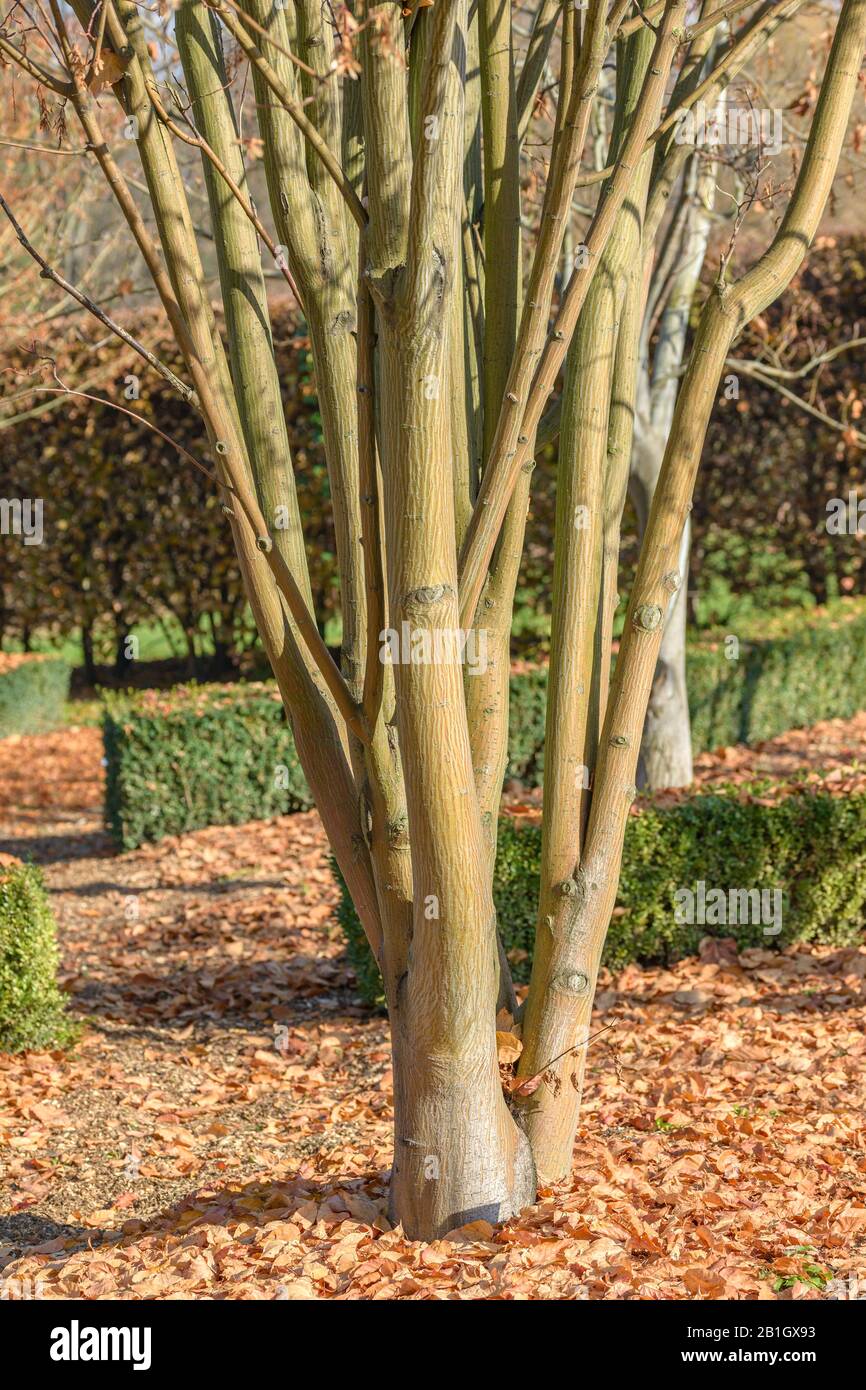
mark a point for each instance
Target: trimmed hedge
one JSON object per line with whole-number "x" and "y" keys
{"x": 809, "y": 845}
{"x": 206, "y": 755}
{"x": 196, "y": 756}
{"x": 816, "y": 669}
{"x": 33, "y": 690}
{"x": 32, "y": 1007}
{"x": 810, "y": 666}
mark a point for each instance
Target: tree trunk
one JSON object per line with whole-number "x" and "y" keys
{"x": 458, "y": 1154}
{"x": 87, "y": 653}
{"x": 666, "y": 747}
{"x": 192, "y": 664}
{"x": 121, "y": 657}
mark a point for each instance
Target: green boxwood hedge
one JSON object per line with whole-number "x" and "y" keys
{"x": 32, "y": 1007}
{"x": 804, "y": 666}
{"x": 33, "y": 691}
{"x": 197, "y": 755}
{"x": 810, "y": 665}
{"x": 206, "y": 755}
{"x": 810, "y": 846}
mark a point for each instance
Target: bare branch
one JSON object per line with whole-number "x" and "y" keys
{"x": 198, "y": 142}
{"x": 796, "y": 374}
{"x": 710, "y": 21}
{"x": 756, "y": 371}
{"x": 87, "y": 303}
{"x": 543, "y": 28}
{"x": 503, "y": 469}
{"x": 729, "y": 59}
{"x": 44, "y": 149}
{"x": 298, "y": 115}
{"x": 56, "y": 83}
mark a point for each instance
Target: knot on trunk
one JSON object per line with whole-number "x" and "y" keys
{"x": 574, "y": 890}
{"x": 571, "y": 982}
{"x": 429, "y": 594}
{"x": 648, "y": 617}
{"x": 398, "y": 832}
{"x": 383, "y": 285}
{"x": 343, "y": 322}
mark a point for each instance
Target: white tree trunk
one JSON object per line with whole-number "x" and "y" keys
{"x": 666, "y": 749}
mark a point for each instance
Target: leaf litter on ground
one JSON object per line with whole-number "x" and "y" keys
{"x": 222, "y": 1129}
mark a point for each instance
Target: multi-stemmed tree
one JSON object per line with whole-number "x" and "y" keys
{"x": 391, "y": 138}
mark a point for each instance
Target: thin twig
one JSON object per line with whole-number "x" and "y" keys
{"x": 198, "y": 141}
{"x": 283, "y": 577}
{"x": 43, "y": 149}
{"x": 796, "y": 374}
{"x": 48, "y": 273}
{"x": 48, "y": 79}
{"x": 527, "y": 1080}
{"x": 98, "y": 41}
{"x": 313, "y": 136}
{"x": 754, "y": 370}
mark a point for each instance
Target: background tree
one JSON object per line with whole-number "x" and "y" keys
{"x": 396, "y": 215}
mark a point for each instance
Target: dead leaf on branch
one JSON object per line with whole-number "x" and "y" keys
{"x": 106, "y": 71}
